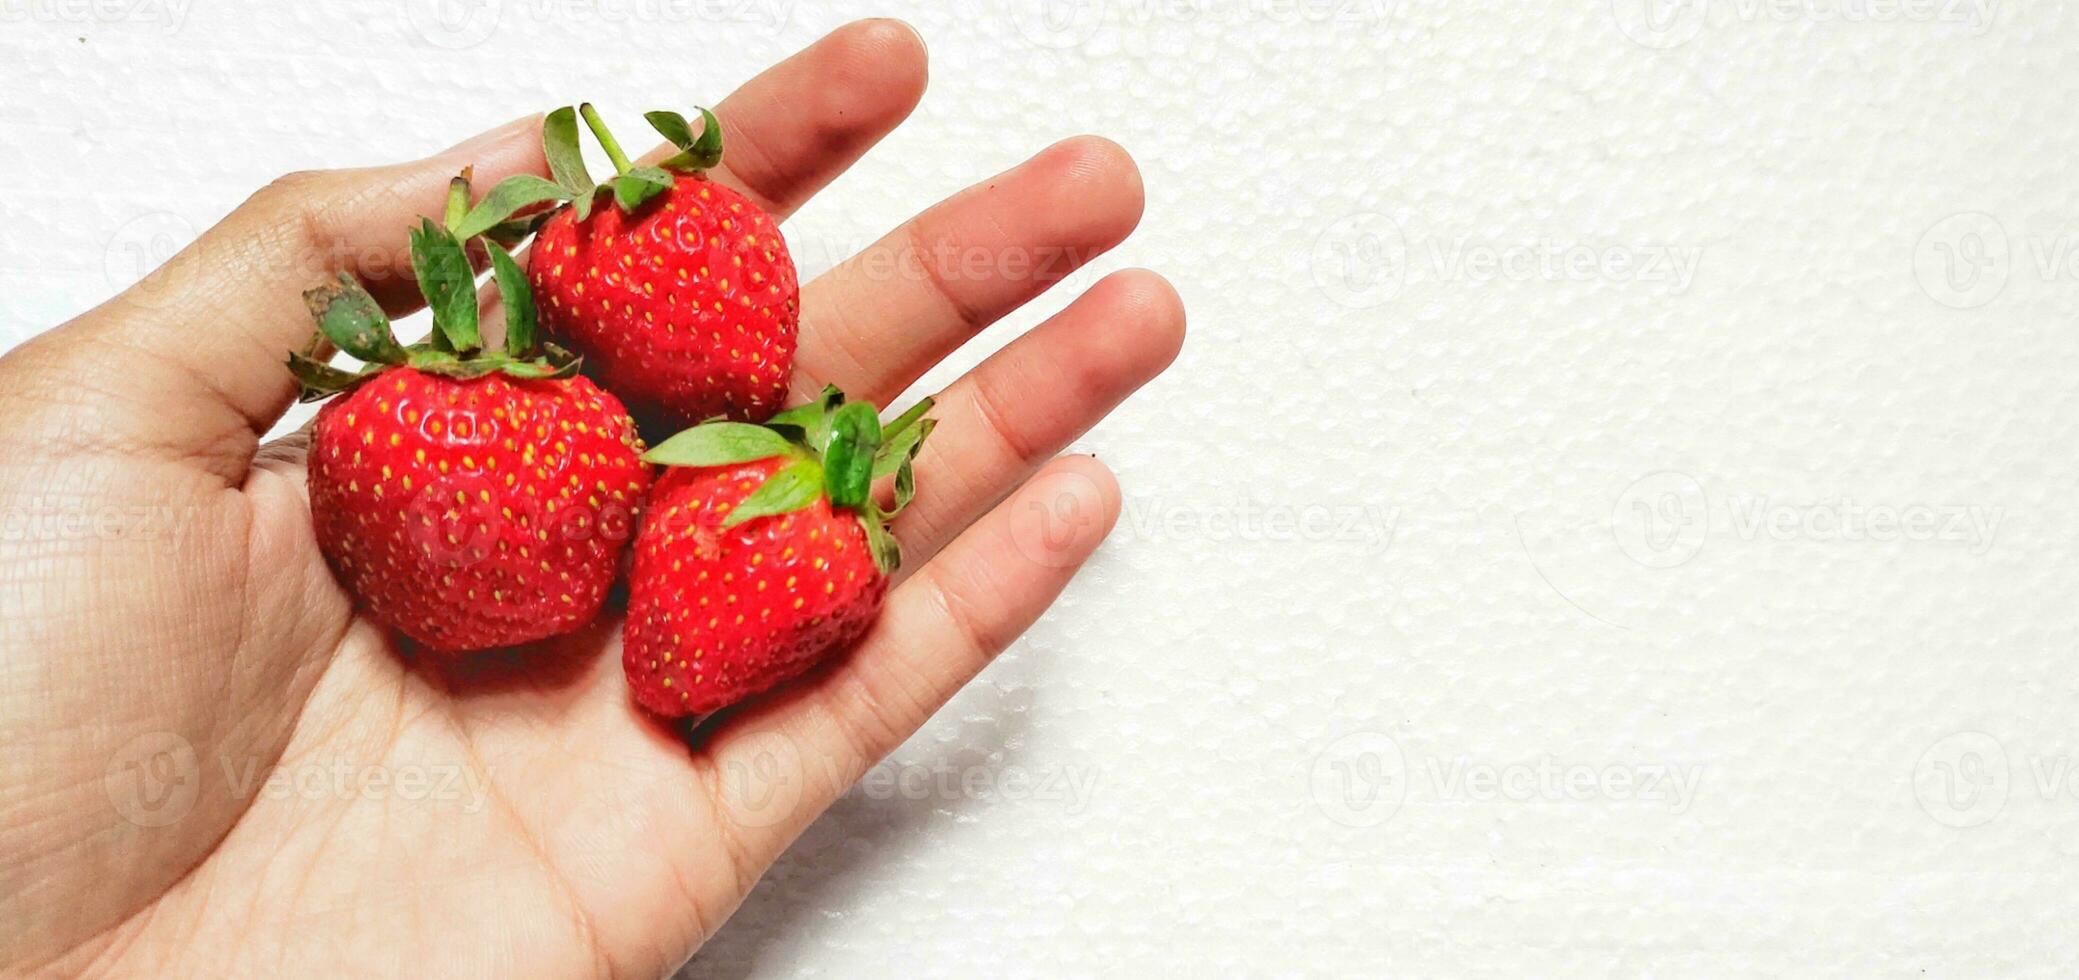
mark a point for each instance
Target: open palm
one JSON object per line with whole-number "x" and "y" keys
{"x": 214, "y": 766}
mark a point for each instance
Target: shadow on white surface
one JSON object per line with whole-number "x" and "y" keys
{"x": 829, "y": 872}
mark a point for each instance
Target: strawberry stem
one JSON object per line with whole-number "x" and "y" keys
{"x": 906, "y": 419}
{"x": 606, "y": 139}
{"x": 458, "y": 199}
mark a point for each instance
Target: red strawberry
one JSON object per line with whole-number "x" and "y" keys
{"x": 468, "y": 498}
{"x": 435, "y": 506}
{"x": 762, "y": 552}
{"x": 681, "y": 296}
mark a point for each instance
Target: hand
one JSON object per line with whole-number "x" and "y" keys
{"x": 214, "y": 766}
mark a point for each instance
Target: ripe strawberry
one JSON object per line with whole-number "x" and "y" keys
{"x": 682, "y": 296}
{"x": 468, "y": 498}
{"x": 762, "y": 551}
{"x": 475, "y": 512}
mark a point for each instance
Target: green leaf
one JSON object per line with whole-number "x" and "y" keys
{"x": 639, "y": 185}
{"x": 517, "y": 298}
{"x": 506, "y": 199}
{"x": 511, "y": 231}
{"x": 809, "y": 423}
{"x": 887, "y": 553}
{"x": 449, "y": 285}
{"x": 320, "y": 379}
{"x": 794, "y": 487}
{"x": 720, "y": 444}
{"x": 554, "y": 362}
{"x": 476, "y": 367}
{"x": 901, "y": 447}
{"x": 447, "y": 364}
{"x": 559, "y": 143}
{"x": 905, "y": 487}
{"x": 805, "y": 415}
{"x": 695, "y": 152}
{"x": 533, "y": 370}
{"x": 855, "y": 436}
{"x": 671, "y": 126}
{"x": 353, "y": 321}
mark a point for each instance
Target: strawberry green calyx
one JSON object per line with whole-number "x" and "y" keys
{"x": 352, "y": 321}
{"x": 696, "y": 152}
{"x": 833, "y": 450}
{"x": 632, "y": 185}
{"x": 514, "y": 208}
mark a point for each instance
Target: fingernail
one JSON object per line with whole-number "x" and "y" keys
{"x": 480, "y": 141}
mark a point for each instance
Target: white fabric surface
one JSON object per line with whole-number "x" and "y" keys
{"x": 1575, "y": 400}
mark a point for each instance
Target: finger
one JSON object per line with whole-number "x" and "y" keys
{"x": 790, "y": 756}
{"x": 880, "y": 319}
{"x": 791, "y": 130}
{"x": 219, "y": 317}
{"x": 242, "y": 282}
{"x": 1030, "y": 400}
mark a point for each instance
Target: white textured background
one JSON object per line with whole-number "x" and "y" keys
{"x": 1614, "y": 510}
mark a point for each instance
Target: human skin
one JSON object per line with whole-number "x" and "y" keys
{"x": 170, "y": 637}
